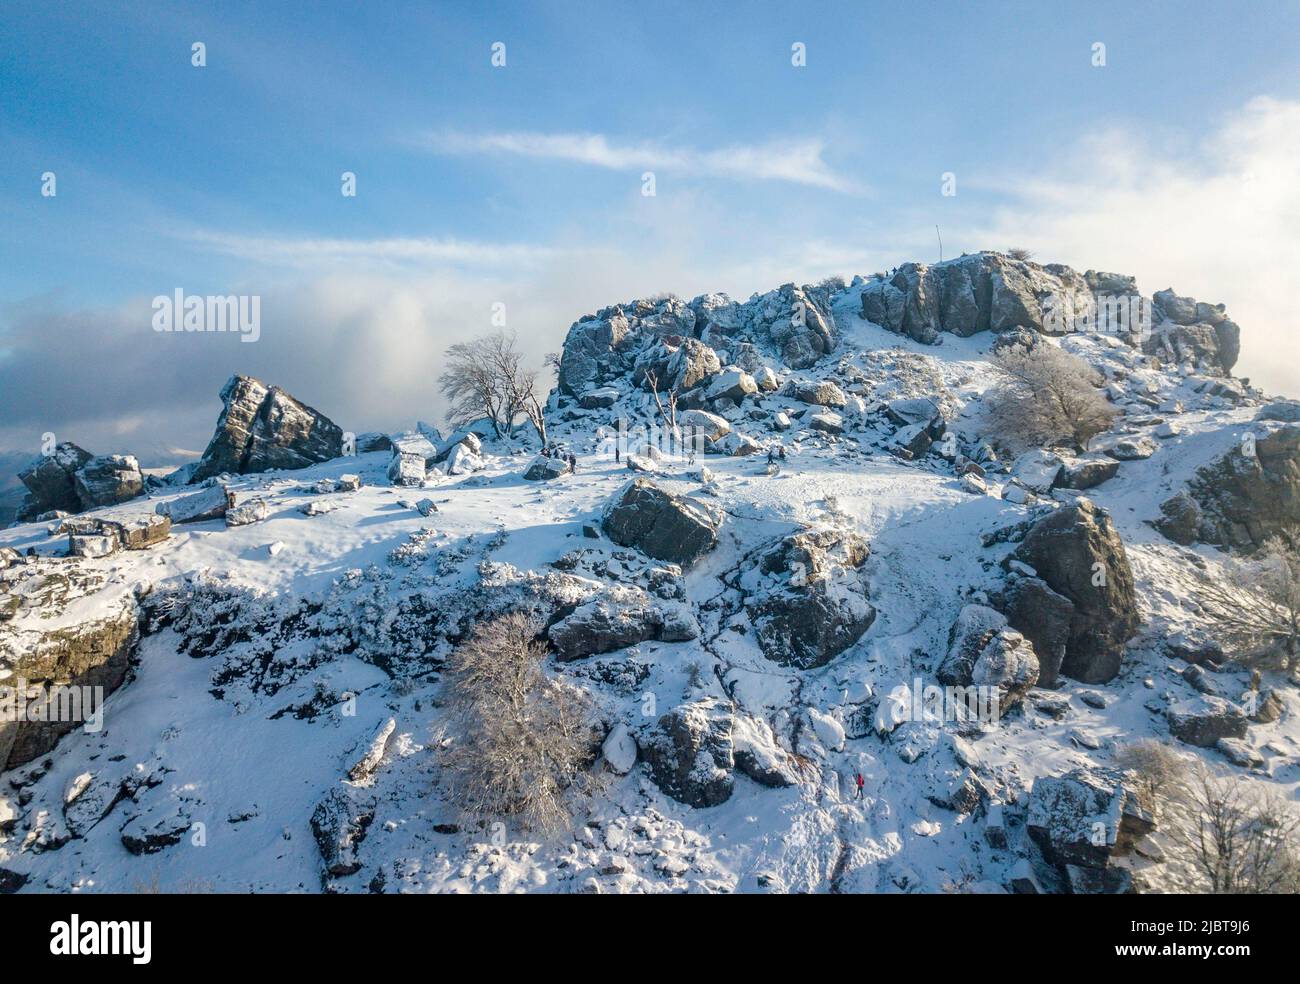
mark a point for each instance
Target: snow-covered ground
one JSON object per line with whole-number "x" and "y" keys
{"x": 228, "y": 754}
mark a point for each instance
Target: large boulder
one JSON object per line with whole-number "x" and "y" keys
{"x": 109, "y": 480}
{"x": 198, "y": 507}
{"x": 340, "y": 823}
{"x": 661, "y": 525}
{"x": 984, "y": 652}
{"x": 545, "y": 468}
{"x": 619, "y": 619}
{"x": 1086, "y": 819}
{"x": 808, "y": 598}
{"x": 690, "y": 752}
{"x": 979, "y": 292}
{"x": 1043, "y": 617}
{"x": 1250, "y": 494}
{"x": 1077, "y": 551}
{"x": 262, "y": 428}
{"x": 1203, "y": 720}
{"x": 51, "y": 481}
{"x": 821, "y": 393}
{"x": 1188, "y": 331}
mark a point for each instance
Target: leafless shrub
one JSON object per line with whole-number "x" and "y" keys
{"x": 1157, "y": 773}
{"x": 524, "y": 743}
{"x": 1256, "y": 606}
{"x": 1020, "y": 253}
{"x": 1048, "y": 397}
{"x": 487, "y": 378}
{"x": 1224, "y": 834}
{"x": 1238, "y": 837}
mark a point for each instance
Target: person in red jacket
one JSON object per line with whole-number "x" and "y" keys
{"x": 860, "y": 781}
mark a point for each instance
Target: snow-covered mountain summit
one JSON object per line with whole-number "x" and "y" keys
{"x": 789, "y": 527}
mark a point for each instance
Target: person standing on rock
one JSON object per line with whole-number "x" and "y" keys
{"x": 860, "y": 781}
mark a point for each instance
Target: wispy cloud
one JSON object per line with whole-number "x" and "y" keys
{"x": 793, "y": 161}
{"x": 307, "y": 251}
{"x": 1219, "y": 224}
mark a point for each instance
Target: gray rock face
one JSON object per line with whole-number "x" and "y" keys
{"x": 980, "y": 292}
{"x": 984, "y": 652}
{"x": 109, "y": 480}
{"x": 94, "y": 653}
{"x": 1078, "y": 553}
{"x": 610, "y": 623}
{"x": 661, "y": 525}
{"x": 339, "y": 823}
{"x": 1247, "y": 498}
{"x": 543, "y": 469}
{"x": 198, "y": 507}
{"x": 810, "y": 601}
{"x": 690, "y": 753}
{"x": 1085, "y": 818}
{"x": 1043, "y": 617}
{"x": 822, "y": 393}
{"x": 262, "y": 428}
{"x": 1188, "y": 331}
{"x": 1180, "y": 518}
{"x": 1202, "y": 721}
{"x": 1088, "y": 471}
{"x": 51, "y": 483}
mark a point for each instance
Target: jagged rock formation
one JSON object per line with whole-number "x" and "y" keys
{"x": 72, "y": 480}
{"x": 809, "y": 600}
{"x": 1084, "y": 823}
{"x": 1077, "y": 552}
{"x": 262, "y": 428}
{"x": 661, "y": 525}
{"x": 1188, "y": 332}
{"x": 1242, "y": 498}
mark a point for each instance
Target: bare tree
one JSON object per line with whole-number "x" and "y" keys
{"x": 1020, "y": 253}
{"x": 1239, "y": 838}
{"x": 1158, "y": 773}
{"x": 525, "y": 743}
{"x": 473, "y": 386}
{"x": 1256, "y": 606}
{"x": 669, "y": 413}
{"x": 487, "y": 378}
{"x": 1048, "y": 397}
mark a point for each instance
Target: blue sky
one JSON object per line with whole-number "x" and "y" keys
{"x": 524, "y": 183}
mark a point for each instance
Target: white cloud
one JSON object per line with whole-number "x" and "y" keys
{"x": 306, "y": 251}
{"x": 793, "y": 161}
{"x": 1215, "y": 215}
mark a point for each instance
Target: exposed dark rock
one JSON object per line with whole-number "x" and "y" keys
{"x": 1043, "y": 617}
{"x": 1180, "y": 518}
{"x": 1252, "y": 493}
{"x": 1085, "y": 818}
{"x": 109, "y": 480}
{"x": 1202, "y": 721}
{"x": 661, "y": 525}
{"x": 818, "y": 606}
{"x": 262, "y": 428}
{"x": 1088, "y": 471}
{"x": 623, "y": 619}
{"x": 340, "y": 823}
{"x": 690, "y": 753}
{"x": 51, "y": 483}
{"x": 1077, "y": 551}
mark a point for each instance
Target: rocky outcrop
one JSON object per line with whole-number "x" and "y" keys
{"x": 984, "y": 652}
{"x": 1243, "y": 498}
{"x": 661, "y": 525}
{"x": 57, "y": 662}
{"x": 1043, "y": 617}
{"x": 619, "y": 619}
{"x": 1078, "y": 553}
{"x": 690, "y": 753}
{"x": 1084, "y": 822}
{"x": 263, "y": 428}
{"x": 808, "y": 599}
{"x": 109, "y": 480}
{"x": 979, "y": 292}
{"x": 340, "y": 823}
{"x": 1188, "y": 332}
{"x": 1203, "y": 721}
{"x": 198, "y": 507}
{"x": 51, "y": 482}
